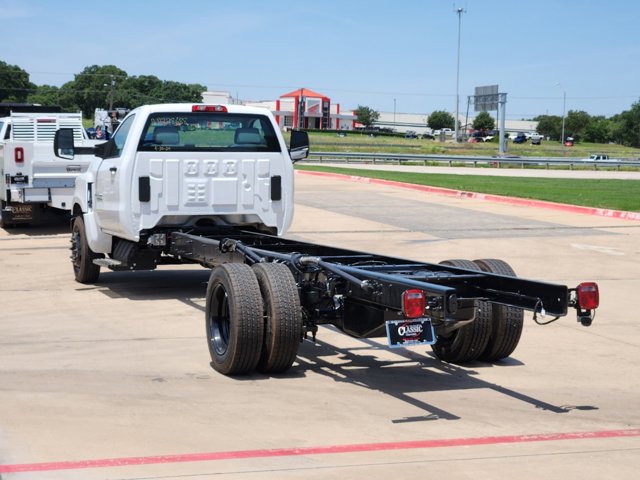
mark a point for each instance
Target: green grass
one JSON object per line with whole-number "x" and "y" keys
{"x": 605, "y": 193}
{"x": 358, "y": 142}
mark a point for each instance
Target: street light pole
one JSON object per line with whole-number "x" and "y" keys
{"x": 394, "y": 113}
{"x": 459, "y": 11}
{"x": 564, "y": 109}
{"x": 113, "y": 82}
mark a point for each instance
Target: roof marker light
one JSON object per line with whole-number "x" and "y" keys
{"x": 209, "y": 108}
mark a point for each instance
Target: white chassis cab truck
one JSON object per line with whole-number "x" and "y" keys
{"x": 33, "y": 178}
{"x": 213, "y": 185}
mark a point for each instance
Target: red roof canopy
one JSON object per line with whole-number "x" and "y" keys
{"x": 303, "y": 92}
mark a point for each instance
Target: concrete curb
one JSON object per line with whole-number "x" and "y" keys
{"x": 522, "y": 202}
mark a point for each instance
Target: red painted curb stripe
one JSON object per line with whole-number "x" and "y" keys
{"x": 293, "y": 452}
{"x": 523, "y": 202}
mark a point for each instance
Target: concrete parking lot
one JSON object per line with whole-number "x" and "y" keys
{"x": 112, "y": 381}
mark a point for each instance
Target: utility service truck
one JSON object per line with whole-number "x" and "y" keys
{"x": 213, "y": 185}
{"x": 33, "y": 179}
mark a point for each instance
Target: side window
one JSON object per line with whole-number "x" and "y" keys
{"x": 120, "y": 137}
{"x": 7, "y": 134}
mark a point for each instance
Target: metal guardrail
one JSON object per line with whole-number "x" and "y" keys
{"x": 400, "y": 158}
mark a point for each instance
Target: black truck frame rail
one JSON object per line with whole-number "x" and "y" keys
{"x": 376, "y": 283}
{"x": 266, "y": 294}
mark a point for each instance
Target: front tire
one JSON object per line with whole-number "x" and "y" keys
{"x": 234, "y": 320}
{"x": 468, "y": 342}
{"x": 82, "y": 256}
{"x": 283, "y": 318}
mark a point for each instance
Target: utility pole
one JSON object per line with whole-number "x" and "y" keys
{"x": 459, "y": 11}
{"x": 502, "y": 107}
{"x": 113, "y": 83}
{"x": 564, "y": 109}
{"x": 394, "y": 113}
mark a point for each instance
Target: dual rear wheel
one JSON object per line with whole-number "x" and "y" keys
{"x": 496, "y": 330}
{"x": 253, "y": 318}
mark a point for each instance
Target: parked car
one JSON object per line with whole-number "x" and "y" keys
{"x": 410, "y": 134}
{"x": 520, "y": 138}
{"x": 428, "y": 136}
{"x": 536, "y": 139}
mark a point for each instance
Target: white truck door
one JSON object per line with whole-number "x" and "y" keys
{"x": 108, "y": 192}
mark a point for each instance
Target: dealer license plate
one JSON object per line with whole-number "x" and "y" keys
{"x": 404, "y": 333}
{"x": 23, "y": 211}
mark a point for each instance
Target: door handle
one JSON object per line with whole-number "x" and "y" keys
{"x": 113, "y": 170}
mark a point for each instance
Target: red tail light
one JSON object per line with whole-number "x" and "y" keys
{"x": 209, "y": 108}
{"x": 414, "y": 302}
{"x": 588, "y": 296}
{"x": 18, "y": 155}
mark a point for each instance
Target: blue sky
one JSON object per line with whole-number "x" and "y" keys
{"x": 357, "y": 52}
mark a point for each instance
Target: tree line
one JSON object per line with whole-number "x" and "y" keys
{"x": 622, "y": 128}
{"x": 108, "y": 86}
{"x": 105, "y": 86}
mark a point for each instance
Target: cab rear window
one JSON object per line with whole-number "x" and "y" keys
{"x": 208, "y": 131}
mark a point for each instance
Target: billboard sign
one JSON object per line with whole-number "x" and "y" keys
{"x": 486, "y": 98}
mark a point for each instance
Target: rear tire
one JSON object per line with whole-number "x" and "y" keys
{"x": 283, "y": 318}
{"x": 234, "y": 320}
{"x": 4, "y": 217}
{"x": 468, "y": 342}
{"x": 82, "y": 256}
{"x": 507, "y": 322}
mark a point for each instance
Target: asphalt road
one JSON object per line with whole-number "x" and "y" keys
{"x": 112, "y": 381}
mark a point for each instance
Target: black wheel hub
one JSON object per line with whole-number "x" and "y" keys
{"x": 219, "y": 322}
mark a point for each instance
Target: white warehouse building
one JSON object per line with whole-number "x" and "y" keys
{"x": 304, "y": 108}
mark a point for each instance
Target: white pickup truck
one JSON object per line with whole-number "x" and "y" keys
{"x": 598, "y": 157}
{"x": 33, "y": 179}
{"x": 180, "y": 166}
{"x": 213, "y": 185}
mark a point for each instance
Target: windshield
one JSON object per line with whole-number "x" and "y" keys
{"x": 208, "y": 131}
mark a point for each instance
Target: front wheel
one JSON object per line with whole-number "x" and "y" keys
{"x": 81, "y": 254}
{"x": 234, "y": 320}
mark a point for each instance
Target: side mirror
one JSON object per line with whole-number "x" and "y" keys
{"x": 63, "y": 144}
{"x": 299, "y": 145}
{"x": 104, "y": 150}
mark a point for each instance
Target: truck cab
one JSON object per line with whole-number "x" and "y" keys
{"x": 183, "y": 166}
